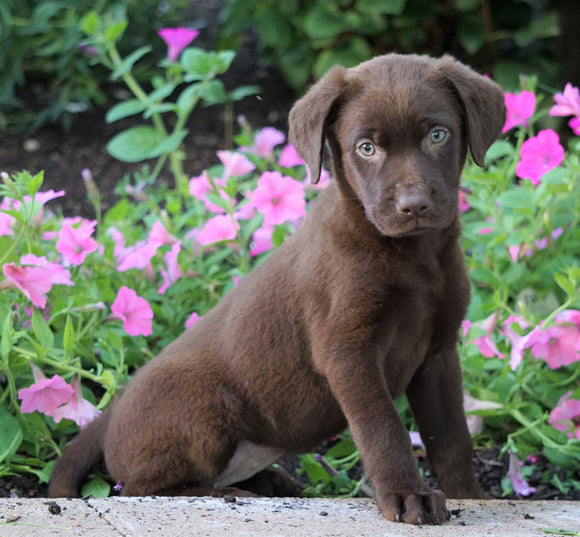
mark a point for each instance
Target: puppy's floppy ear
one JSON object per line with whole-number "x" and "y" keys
{"x": 310, "y": 117}
{"x": 484, "y": 105}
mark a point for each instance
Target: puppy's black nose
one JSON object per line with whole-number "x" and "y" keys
{"x": 413, "y": 204}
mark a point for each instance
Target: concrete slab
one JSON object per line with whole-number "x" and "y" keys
{"x": 213, "y": 517}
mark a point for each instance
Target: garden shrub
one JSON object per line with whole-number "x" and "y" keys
{"x": 45, "y": 76}
{"x": 306, "y": 38}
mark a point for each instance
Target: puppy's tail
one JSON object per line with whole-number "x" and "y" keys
{"x": 78, "y": 459}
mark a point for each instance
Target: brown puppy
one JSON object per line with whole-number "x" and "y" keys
{"x": 361, "y": 305}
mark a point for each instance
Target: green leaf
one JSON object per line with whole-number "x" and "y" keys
{"x": 324, "y": 22}
{"x": 222, "y": 60}
{"x": 196, "y": 63}
{"x": 35, "y": 183}
{"x": 134, "y": 144}
{"x": 499, "y": 149}
{"x": 388, "y": 7}
{"x": 343, "y": 448}
{"x": 69, "y": 336}
{"x": 7, "y": 335}
{"x": 169, "y": 144}
{"x": 545, "y": 26}
{"x": 314, "y": 470}
{"x": 10, "y": 434}
{"x": 115, "y": 31}
{"x": 565, "y": 284}
{"x": 128, "y": 63}
{"x": 516, "y": 199}
{"x": 42, "y": 331}
{"x": 213, "y": 93}
{"x": 559, "y": 457}
{"x": 97, "y": 487}
{"x": 471, "y": 33}
{"x": 188, "y": 98}
{"x": 242, "y": 92}
{"x": 467, "y": 5}
{"x": 125, "y": 109}
{"x": 91, "y": 23}
{"x": 347, "y": 55}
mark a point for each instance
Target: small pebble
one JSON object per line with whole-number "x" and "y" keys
{"x": 31, "y": 145}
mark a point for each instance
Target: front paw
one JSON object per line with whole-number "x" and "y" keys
{"x": 414, "y": 506}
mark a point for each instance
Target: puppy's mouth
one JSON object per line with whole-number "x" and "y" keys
{"x": 396, "y": 227}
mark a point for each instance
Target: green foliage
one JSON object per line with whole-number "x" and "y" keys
{"x": 306, "y": 38}
{"x": 192, "y": 75}
{"x": 45, "y": 76}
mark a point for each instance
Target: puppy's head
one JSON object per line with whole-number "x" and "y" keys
{"x": 399, "y": 128}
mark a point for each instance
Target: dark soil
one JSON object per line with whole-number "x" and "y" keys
{"x": 63, "y": 154}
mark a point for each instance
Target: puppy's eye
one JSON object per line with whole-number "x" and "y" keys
{"x": 366, "y": 149}
{"x": 438, "y": 135}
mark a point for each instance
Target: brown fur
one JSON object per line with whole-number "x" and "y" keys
{"x": 361, "y": 305}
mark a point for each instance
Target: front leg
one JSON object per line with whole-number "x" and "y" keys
{"x": 436, "y": 399}
{"x": 359, "y": 386}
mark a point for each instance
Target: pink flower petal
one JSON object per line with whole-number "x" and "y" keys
{"x": 289, "y": 157}
{"x": 77, "y": 409}
{"x": 192, "y": 319}
{"x": 45, "y": 396}
{"x": 235, "y": 164}
{"x": 134, "y": 311}
{"x": 74, "y": 243}
{"x": 519, "y": 108}
{"x": 539, "y": 155}
{"x": 266, "y": 140}
{"x": 176, "y": 40}
{"x": 567, "y": 103}
{"x": 217, "y": 229}
{"x": 34, "y": 282}
{"x": 279, "y": 198}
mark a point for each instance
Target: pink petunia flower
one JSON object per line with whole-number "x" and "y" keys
{"x": 74, "y": 243}
{"x": 219, "y": 228}
{"x": 279, "y": 198}
{"x": 173, "y": 272}
{"x": 262, "y": 240}
{"x": 45, "y": 395}
{"x": 574, "y": 124}
{"x": 519, "y": 108}
{"x": 289, "y": 157}
{"x": 192, "y": 319}
{"x": 34, "y": 282}
{"x": 138, "y": 256}
{"x": 566, "y": 416}
{"x": 44, "y": 197}
{"x": 134, "y": 311}
{"x": 471, "y": 405}
{"x": 518, "y": 341}
{"x": 539, "y": 155}
{"x": 6, "y": 220}
{"x": 514, "y": 474}
{"x": 176, "y": 40}
{"x": 200, "y": 186}
{"x": 567, "y": 103}
{"x": 559, "y": 344}
{"x": 160, "y": 235}
{"x": 58, "y": 274}
{"x": 323, "y": 181}
{"x": 462, "y": 201}
{"x": 77, "y": 409}
{"x": 235, "y": 164}
{"x": 485, "y": 343}
{"x": 266, "y": 140}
